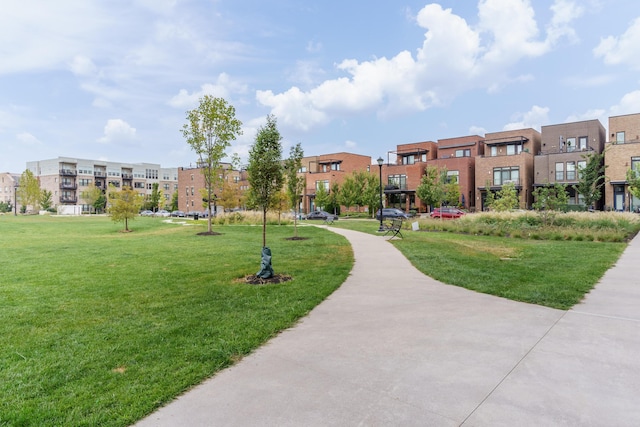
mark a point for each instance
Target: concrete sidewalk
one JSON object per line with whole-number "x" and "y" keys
{"x": 393, "y": 347}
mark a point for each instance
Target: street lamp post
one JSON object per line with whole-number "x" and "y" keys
{"x": 15, "y": 200}
{"x": 380, "y": 161}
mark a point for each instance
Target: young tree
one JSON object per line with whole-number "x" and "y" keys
{"x": 174, "y": 201}
{"x": 348, "y": 192}
{"x": 451, "y": 193}
{"x": 46, "y": 199}
{"x": 322, "y": 196}
{"x": 209, "y": 130}
{"x": 506, "y": 198}
{"x": 549, "y": 200}
{"x": 591, "y": 179}
{"x": 633, "y": 180}
{"x": 296, "y": 183}
{"x": 431, "y": 189}
{"x": 29, "y": 191}
{"x": 371, "y": 193}
{"x": 154, "y": 201}
{"x": 265, "y": 169}
{"x": 125, "y": 205}
{"x": 94, "y": 197}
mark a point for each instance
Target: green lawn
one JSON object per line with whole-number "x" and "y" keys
{"x": 99, "y": 327}
{"x": 553, "y": 273}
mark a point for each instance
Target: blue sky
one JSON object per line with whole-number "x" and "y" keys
{"x": 113, "y": 79}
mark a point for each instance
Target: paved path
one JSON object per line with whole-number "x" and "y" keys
{"x": 393, "y": 347}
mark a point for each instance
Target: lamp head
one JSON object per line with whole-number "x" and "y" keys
{"x": 380, "y": 161}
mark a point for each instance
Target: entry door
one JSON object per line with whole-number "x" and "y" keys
{"x": 618, "y": 204}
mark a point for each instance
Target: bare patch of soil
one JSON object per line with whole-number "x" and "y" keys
{"x": 255, "y": 280}
{"x": 209, "y": 233}
{"x": 297, "y": 238}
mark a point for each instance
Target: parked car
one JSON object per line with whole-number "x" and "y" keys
{"x": 163, "y": 213}
{"x": 322, "y": 215}
{"x": 146, "y": 213}
{"x": 178, "y": 214}
{"x": 446, "y": 213}
{"x": 391, "y": 213}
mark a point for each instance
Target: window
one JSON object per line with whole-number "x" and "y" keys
{"x": 494, "y": 151}
{"x": 453, "y": 177}
{"x": 138, "y": 185}
{"x": 571, "y": 144}
{"x": 303, "y": 169}
{"x": 582, "y": 143}
{"x": 335, "y": 166}
{"x": 324, "y": 184}
{"x": 397, "y": 181}
{"x": 581, "y": 165}
{"x": 408, "y": 160}
{"x": 463, "y": 153}
{"x": 635, "y": 163}
{"x": 187, "y": 190}
{"x": 424, "y": 157}
{"x": 166, "y": 187}
{"x": 571, "y": 171}
{"x": 506, "y": 175}
{"x": 192, "y": 191}
{"x": 620, "y": 137}
{"x": 191, "y": 177}
{"x": 559, "y": 171}
{"x": 514, "y": 149}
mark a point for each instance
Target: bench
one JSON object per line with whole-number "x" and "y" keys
{"x": 394, "y": 228}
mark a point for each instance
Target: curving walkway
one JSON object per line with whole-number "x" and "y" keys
{"x": 392, "y": 347}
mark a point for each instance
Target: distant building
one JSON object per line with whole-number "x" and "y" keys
{"x": 622, "y": 153}
{"x": 8, "y": 185}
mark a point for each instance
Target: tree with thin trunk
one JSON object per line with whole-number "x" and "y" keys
{"x": 94, "y": 197}
{"x": 633, "y": 179}
{"x": 155, "y": 197}
{"x": 431, "y": 189}
{"x": 29, "y": 191}
{"x": 591, "y": 179}
{"x": 209, "y": 130}
{"x": 295, "y": 182}
{"x": 125, "y": 205}
{"x": 265, "y": 169}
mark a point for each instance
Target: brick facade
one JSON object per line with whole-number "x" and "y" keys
{"x": 621, "y": 153}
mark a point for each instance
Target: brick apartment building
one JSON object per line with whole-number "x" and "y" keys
{"x": 622, "y": 153}
{"x": 563, "y": 151}
{"x": 8, "y": 188}
{"x": 508, "y": 158}
{"x": 191, "y": 185}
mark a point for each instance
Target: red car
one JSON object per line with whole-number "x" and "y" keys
{"x": 446, "y": 213}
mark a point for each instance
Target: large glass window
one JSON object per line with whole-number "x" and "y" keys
{"x": 620, "y": 137}
{"x": 324, "y": 184}
{"x": 581, "y": 165}
{"x": 514, "y": 149}
{"x": 571, "y": 144}
{"x": 506, "y": 175}
{"x": 463, "y": 153}
{"x": 399, "y": 181}
{"x": 571, "y": 171}
{"x": 559, "y": 171}
{"x": 582, "y": 143}
{"x": 453, "y": 177}
{"x": 408, "y": 160}
{"x": 494, "y": 151}
{"x": 635, "y": 163}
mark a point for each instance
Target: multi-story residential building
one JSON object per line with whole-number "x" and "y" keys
{"x": 9, "y": 183}
{"x": 508, "y": 158}
{"x": 67, "y": 178}
{"x": 622, "y": 153}
{"x": 458, "y": 156}
{"x": 563, "y": 153}
{"x": 329, "y": 169}
{"x": 192, "y": 188}
{"x": 402, "y": 177}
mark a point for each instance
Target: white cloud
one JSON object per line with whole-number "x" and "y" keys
{"x": 621, "y": 50}
{"x": 477, "y": 130}
{"x": 224, "y": 87}
{"x": 117, "y": 130}
{"x": 350, "y": 145}
{"x": 534, "y": 118}
{"x": 454, "y": 57}
{"x": 83, "y": 66}
{"x": 25, "y": 138}
{"x": 629, "y": 104}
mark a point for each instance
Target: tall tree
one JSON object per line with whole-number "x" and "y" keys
{"x": 29, "y": 190}
{"x": 265, "y": 169}
{"x": 209, "y": 130}
{"x": 125, "y": 205}
{"x": 591, "y": 179}
{"x": 371, "y": 193}
{"x": 506, "y": 198}
{"x": 296, "y": 183}
{"x": 154, "y": 201}
{"x": 46, "y": 199}
{"x": 348, "y": 192}
{"x": 94, "y": 197}
{"x": 322, "y": 196}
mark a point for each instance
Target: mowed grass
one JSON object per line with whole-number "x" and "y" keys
{"x": 552, "y": 273}
{"x": 100, "y": 327}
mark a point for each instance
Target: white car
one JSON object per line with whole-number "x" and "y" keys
{"x": 163, "y": 213}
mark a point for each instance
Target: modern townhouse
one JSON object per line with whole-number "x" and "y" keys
{"x": 329, "y": 169}
{"x": 458, "y": 155}
{"x": 564, "y": 152}
{"x": 508, "y": 158}
{"x": 67, "y": 178}
{"x": 622, "y": 153}
{"x": 401, "y": 177}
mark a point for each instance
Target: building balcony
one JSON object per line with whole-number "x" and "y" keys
{"x": 68, "y": 186}
{"x": 100, "y": 174}
{"x": 68, "y": 172}
{"x": 127, "y": 176}
{"x": 68, "y": 199}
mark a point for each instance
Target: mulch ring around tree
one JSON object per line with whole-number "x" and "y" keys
{"x": 209, "y": 233}
{"x": 255, "y": 280}
{"x": 297, "y": 238}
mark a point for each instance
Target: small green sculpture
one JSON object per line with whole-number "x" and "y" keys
{"x": 266, "y": 271}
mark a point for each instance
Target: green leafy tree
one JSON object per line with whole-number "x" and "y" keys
{"x": 322, "y": 196}
{"x": 348, "y": 192}
{"x": 371, "y": 193}
{"x": 209, "y": 130}
{"x": 633, "y": 180}
{"x": 94, "y": 197}
{"x": 333, "y": 204}
{"x": 29, "y": 191}
{"x": 549, "y": 200}
{"x": 174, "y": 201}
{"x": 125, "y": 205}
{"x": 46, "y": 199}
{"x": 295, "y": 182}
{"x": 156, "y": 195}
{"x": 506, "y": 198}
{"x": 591, "y": 179}
{"x": 265, "y": 169}
{"x": 279, "y": 203}
{"x": 451, "y": 193}
{"x": 431, "y": 189}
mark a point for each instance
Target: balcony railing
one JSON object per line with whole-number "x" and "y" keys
{"x": 68, "y": 186}
{"x": 68, "y": 199}
{"x": 68, "y": 172}
{"x": 127, "y": 176}
{"x": 100, "y": 174}
{"x": 506, "y": 181}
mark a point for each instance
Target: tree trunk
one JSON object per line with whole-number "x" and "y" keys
{"x": 264, "y": 227}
